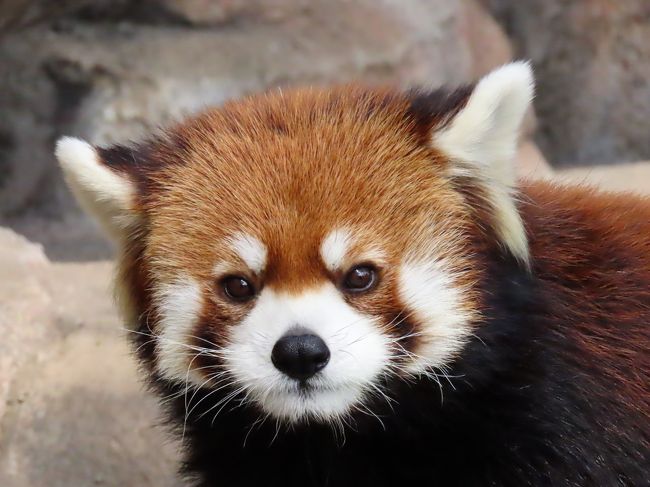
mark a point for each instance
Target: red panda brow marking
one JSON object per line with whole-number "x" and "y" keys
{"x": 340, "y": 249}
{"x": 335, "y": 247}
{"x": 250, "y": 250}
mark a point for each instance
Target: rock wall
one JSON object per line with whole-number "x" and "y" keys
{"x": 592, "y": 62}
{"x": 113, "y": 70}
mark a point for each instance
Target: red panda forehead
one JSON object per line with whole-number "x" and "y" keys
{"x": 290, "y": 169}
{"x": 318, "y": 135}
{"x": 308, "y": 152}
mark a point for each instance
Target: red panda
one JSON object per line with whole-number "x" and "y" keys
{"x": 347, "y": 287}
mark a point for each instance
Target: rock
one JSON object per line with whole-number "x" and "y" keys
{"x": 25, "y": 321}
{"x": 18, "y": 14}
{"x": 592, "y": 62}
{"x": 485, "y": 39}
{"x": 633, "y": 177}
{"x": 72, "y": 411}
{"x": 530, "y": 162}
{"x": 72, "y": 238}
{"x": 113, "y": 71}
{"x": 219, "y": 12}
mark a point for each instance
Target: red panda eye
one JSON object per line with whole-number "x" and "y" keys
{"x": 238, "y": 289}
{"x": 360, "y": 278}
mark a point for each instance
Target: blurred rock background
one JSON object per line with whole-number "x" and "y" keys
{"x": 72, "y": 412}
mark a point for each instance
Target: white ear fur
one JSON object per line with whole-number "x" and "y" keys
{"x": 101, "y": 191}
{"x": 486, "y": 130}
{"x": 482, "y": 140}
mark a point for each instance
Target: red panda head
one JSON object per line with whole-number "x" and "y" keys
{"x": 297, "y": 247}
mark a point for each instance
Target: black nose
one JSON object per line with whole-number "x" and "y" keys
{"x": 300, "y": 354}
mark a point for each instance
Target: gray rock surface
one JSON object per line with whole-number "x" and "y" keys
{"x": 592, "y": 63}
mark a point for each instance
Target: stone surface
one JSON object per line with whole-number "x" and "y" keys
{"x": 114, "y": 70}
{"x": 633, "y": 177}
{"x": 72, "y": 238}
{"x": 24, "y": 307}
{"x": 18, "y": 14}
{"x": 72, "y": 411}
{"x": 592, "y": 62}
{"x": 530, "y": 162}
{"x": 218, "y": 12}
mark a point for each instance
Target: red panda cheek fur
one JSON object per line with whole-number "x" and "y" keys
{"x": 551, "y": 385}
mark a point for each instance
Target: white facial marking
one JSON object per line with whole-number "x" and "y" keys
{"x": 429, "y": 291}
{"x": 250, "y": 250}
{"x": 179, "y": 305}
{"x": 359, "y": 353}
{"x": 335, "y": 247}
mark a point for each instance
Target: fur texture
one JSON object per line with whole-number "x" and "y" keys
{"x": 503, "y": 339}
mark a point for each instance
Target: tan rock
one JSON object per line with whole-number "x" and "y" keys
{"x": 619, "y": 177}
{"x": 25, "y": 320}
{"x": 72, "y": 410}
{"x": 530, "y": 162}
{"x": 211, "y": 12}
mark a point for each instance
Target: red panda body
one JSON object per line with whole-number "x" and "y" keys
{"x": 341, "y": 287}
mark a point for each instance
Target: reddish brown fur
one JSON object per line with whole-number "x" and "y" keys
{"x": 311, "y": 189}
{"x": 598, "y": 245}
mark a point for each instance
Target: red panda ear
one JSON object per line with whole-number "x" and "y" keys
{"x": 485, "y": 130}
{"x": 481, "y": 139}
{"x": 105, "y": 192}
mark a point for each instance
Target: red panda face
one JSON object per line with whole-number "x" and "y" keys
{"x": 297, "y": 249}
{"x": 308, "y": 256}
